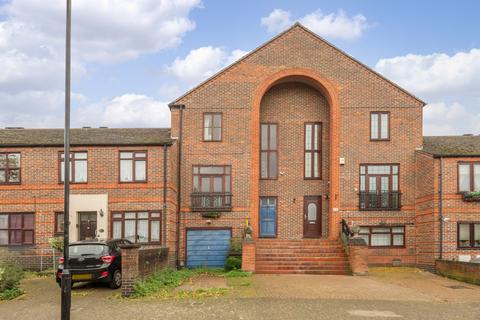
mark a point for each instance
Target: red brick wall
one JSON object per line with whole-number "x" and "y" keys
{"x": 426, "y": 210}
{"x": 351, "y": 87}
{"x": 456, "y": 210}
{"x": 291, "y": 105}
{"x": 41, "y": 193}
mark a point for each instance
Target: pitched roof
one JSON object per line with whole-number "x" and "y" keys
{"x": 452, "y": 146}
{"x": 85, "y": 137}
{"x": 296, "y": 25}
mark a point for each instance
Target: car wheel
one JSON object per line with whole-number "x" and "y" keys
{"x": 116, "y": 280}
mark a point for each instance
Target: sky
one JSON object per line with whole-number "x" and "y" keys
{"x": 131, "y": 58}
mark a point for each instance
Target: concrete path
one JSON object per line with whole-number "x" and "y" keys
{"x": 383, "y": 295}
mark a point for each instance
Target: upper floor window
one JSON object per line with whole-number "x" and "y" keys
{"x": 380, "y": 125}
{"x": 313, "y": 150}
{"x": 212, "y": 126}
{"x": 16, "y": 228}
{"x": 9, "y": 168}
{"x": 136, "y": 226}
{"x": 468, "y": 235}
{"x": 379, "y": 187}
{"x": 468, "y": 176}
{"x": 269, "y": 151}
{"x": 133, "y": 166}
{"x": 211, "y": 187}
{"x": 78, "y": 167}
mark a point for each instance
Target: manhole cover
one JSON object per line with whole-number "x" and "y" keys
{"x": 457, "y": 287}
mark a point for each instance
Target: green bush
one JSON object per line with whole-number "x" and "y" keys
{"x": 161, "y": 281}
{"x": 235, "y": 247}
{"x": 56, "y": 243}
{"x": 233, "y": 263}
{"x": 10, "y": 277}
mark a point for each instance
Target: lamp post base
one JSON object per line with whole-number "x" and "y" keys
{"x": 66, "y": 294}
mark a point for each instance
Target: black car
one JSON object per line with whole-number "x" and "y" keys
{"x": 95, "y": 260}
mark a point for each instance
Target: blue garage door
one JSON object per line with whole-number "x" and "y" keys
{"x": 207, "y": 248}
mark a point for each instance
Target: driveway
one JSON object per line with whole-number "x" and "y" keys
{"x": 401, "y": 293}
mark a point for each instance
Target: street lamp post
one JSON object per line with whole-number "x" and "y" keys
{"x": 66, "y": 276}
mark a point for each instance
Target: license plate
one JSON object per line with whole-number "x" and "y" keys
{"x": 82, "y": 277}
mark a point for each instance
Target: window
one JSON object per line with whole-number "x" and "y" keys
{"x": 468, "y": 176}
{"x": 59, "y": 222}
{"x": 133, "y": 166}
{"x": 380, "y": 125}
{"x": 269, "y": 151}
{"x": 211, "y": 187}
{"x": 313, "y": 150}
{"x": 16, "y": 228}
{"x": 212, "y": 127}
{"x": 9, "y": 168}
{"x": 383, "y": 236}
{"x": 78, "y": 167}
{"x": 379, "y": 187}
{"x": 138, "y": 227}
{"x": 468, "y": 234}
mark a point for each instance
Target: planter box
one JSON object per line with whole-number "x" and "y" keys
{"x": 471, "y": 198}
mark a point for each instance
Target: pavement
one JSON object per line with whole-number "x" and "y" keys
{"x": 387, "y": 293}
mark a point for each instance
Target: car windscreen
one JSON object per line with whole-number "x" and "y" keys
{"x": 88, "y": 249}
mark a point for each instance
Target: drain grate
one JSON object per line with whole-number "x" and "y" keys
{"x": 456, "y": 286}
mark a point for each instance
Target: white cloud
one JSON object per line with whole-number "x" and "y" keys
{"x": 128, "y": 110}
{"x": 103, "y": 30}
{"x": 336, "y": 25}
{"x": 435, "y": 73}
{"x": 450, "y": 82}
{"x": 32, "y": 39}
{"x": 277, "y": 20}
{"x": 450, "y": 119}
{"x": 202, "y": 63}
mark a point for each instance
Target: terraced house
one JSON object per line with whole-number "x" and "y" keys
{"x": 297, "y": 140}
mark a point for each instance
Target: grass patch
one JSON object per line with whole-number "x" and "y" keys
{"x": 161, "y": 284}
{"x": 11, "y": 293}
{"x": 237, "y": 274}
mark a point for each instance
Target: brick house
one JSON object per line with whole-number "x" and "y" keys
{"x": 291, "y": 140}
{"x": 120, "y": 188}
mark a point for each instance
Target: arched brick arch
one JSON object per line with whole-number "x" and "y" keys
{"x": 329, "y": 91}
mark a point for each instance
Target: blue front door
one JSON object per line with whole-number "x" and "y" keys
{"x": 268, "y": 217}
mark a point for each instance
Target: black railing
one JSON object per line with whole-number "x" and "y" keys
{"x": 346, "y": 229}
{"x": 381, "y": 200}
{"x": 211, "y": 201}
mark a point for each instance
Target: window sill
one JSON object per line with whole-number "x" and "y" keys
{"x": 468, "y": 248}
{"x": 132, "y": 182}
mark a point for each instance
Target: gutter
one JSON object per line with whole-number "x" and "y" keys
{"x": 180, "y": 107}
{"x": 440, "y": 207}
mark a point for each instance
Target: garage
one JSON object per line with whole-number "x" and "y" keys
{"x": 207, "y": 247}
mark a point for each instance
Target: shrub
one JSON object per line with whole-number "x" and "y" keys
{"x": 235, "y": 247}
{"x": 57, "y": 243}
{"x": 10, "y": 277}
{"x": 233, "y": 263}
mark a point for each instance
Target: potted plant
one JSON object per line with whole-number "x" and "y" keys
{"x": 211, "y": 215}
{"x": 471, "y": 196}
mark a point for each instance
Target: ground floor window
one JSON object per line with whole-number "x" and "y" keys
{"x": 138, "y": 227}
{"x": 379, "y": 236}
{"x": 59, "y": 222}
{"x": 468, "y": 234}
{"x": 16, "y": 228}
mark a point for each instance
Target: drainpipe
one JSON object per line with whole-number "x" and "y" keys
{"x": 180, "y": 107}
{"x": 440, "y": 206}
{"x": 164, "y": 222}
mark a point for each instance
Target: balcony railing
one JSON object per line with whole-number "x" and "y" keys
{"x": 211, "y": 201}
{"x": 380, "y": 200}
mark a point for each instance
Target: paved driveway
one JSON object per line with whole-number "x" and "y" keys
{"x": 384, "y": 294}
